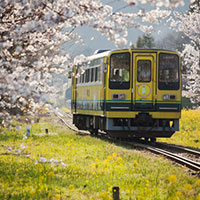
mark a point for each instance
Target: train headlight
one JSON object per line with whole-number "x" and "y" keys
{"x": 118, "y": 96}
{"x": 169, "y": 97}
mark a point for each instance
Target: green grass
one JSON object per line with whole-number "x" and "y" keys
{"x": 93, "y": 167}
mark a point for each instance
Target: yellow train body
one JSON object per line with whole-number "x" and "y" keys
{"x": 145, "y": 100}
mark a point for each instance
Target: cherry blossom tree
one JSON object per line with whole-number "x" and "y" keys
{"x": 32, "y": 33}
{"x": 189, "y": 25}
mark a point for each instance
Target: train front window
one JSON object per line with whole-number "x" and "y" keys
{"x": 168, "y": 72}
{"x": 144, "y": 71}
{"x": 119, "y": 71}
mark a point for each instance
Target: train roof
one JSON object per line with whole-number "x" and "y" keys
{"x": 102, "y": 53}
{"x": 99, "y": 54}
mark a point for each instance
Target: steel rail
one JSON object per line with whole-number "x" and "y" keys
{"x": 179, "y": 159}
{"x": 59, "y": 115}
{"x": 181, "y": 148}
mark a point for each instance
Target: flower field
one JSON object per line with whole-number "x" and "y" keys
{"x": 65, "y": 165}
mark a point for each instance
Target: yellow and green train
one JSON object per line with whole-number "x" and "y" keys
{"x": 128, "y": 93}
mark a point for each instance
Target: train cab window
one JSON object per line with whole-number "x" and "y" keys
{"x": 144, "y": 71}
{"x": 168, "y": 72}
{"x": 119, "y": 71}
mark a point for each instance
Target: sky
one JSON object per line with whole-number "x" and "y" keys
{"x": 93, "y": 40}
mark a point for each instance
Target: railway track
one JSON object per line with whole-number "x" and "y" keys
{"x": 172, "y": 154}
{"x": 181, "y": 155}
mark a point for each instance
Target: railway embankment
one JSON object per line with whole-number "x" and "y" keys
{"x": 57, "y": 163}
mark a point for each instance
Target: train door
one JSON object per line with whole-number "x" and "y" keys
{"x": 144, "y": 69}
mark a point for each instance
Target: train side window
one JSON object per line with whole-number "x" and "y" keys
{"x": 92, "y": 75}
{"x": 87, "y": 76}
{"x": 78, "y": 78}
{"x": 93, "y": 72}
{"x": 83, "y": 80}
{"x": 96, "y": 74}
{"x": 100, "y": 73}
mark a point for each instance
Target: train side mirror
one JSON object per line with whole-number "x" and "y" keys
{"x": 70, "y": 75}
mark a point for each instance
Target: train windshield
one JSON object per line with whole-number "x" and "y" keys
{"x": 119, "y": 71}
{"x": 168, "y": 72}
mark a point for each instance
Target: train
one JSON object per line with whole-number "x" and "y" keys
{"x": 128, "y": 93}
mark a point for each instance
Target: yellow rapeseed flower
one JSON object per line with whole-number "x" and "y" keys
{"x": 109, "y": 158}
{"x": 83, "y": 191}
{"x": 198, "y": 197}
{"x": 172, "y": 178}
{"x": 187, "y": 187}
{"x": 46, "y": 150}
{"x": 198, "y": 182}
{"x": 106, "y": 161}
{"x": 135, "y": 162}
{"x": 71, "y": 187}
{"x": 41, "y": 189}
{"x": 178, "y": 194}
{"x": 41, "y": 178}
{"x": 57, "y": 196}
{"x": 93, "y": 166}
{"x": 50, "y": 174}
{"x": 32, "y": 191}
{"x": 104, "y": 195}
{"x": 119, "y": 158}
{"x": 41, "y": 169}
{"x": 69, "y": 144}
{"x": 147, "y": 191}
{"x": 114, "y": 154}
{"x": 110, "y": 188}
{"x": 127, "y": 191}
